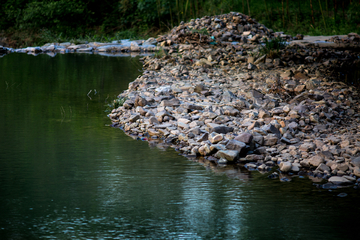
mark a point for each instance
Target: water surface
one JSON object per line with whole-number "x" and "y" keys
{"x": 65, "y": 175}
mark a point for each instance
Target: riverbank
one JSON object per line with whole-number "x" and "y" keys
{"x": 225, "y": 102}
{"x": 218, "y": 91}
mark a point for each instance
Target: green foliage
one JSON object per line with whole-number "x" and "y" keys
{"x": 202, "y": 31}
{"x": 160, "y": 53}
{"x": 54, "y": 14}
{"x": 115, "y": 104}
{"x": 272, "y": 47}
{"x": 112, "y": 19}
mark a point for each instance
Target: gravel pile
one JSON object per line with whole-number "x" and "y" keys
{"x": 229, "y": 105}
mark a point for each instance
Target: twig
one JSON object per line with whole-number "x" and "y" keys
{"x": 63, "y": 110}
{"x": 248, "y": 8}
{"x": 88, "y": 94}
{"x": 322, "y": 13}
{"x": 312, "y": 12}
{"x": 62, "y": 114}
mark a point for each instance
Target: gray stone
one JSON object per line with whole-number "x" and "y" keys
{"x": 245, "y": 138}
{"x": 235, "y": 145}
{"x": 183, "y": 125}
{"x": 229, "y": 155}
{"x": 170, "y": 103}
{"x": 141, "y": 110}
{"x": 192, "y": 106}
{"x": 256, "y": 94}
{"x": 254, "y": 125}
{"x": 285, "y": 166}
{"x": 153, "y": 120}
{"x": 295, "y": 167}
{"x": 135, "y": 117}
{"x": 195, "y": 130}
{"x": 342, "y": 167}
{"x": 259, "y": 139}
{"x": 203, "y": 137}
{"x": 163, "y": 126}
{"x": 160, "y": 115}
{"x": 356, "y": 162}
{"x": 322, "y": 167}
{"x": 316, "y": 160}
{"x": 230, "y": 111}
{"x": 307, "y": 147}
{"x": 222, "y": 129}
{"x": 272, "y": 129}
{"x": 270, "y": 140}
{"x": 128, "y": 104}
{"x": 305, "y": 163}
{"x": 339, "y": 180}
{"x": 327, "y": 155}
{"x": 215, "y": 138}
{"x": 184, "y": 120}
{"x": 357, "y": 171}
{"x": 285, "y": 140}
{"x": 293, "y": 125}
{"x": 222, "y": 161}
{"x": 251, "y": 66}
{"x": 334, "y": 140}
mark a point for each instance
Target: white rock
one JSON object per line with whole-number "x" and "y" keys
{"x": 285, "y": 166}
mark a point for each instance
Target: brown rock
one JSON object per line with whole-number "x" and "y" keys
{"x": 300, "y": 75}
{"x": 270, "y": 140}
{"x": 215, "y": 138}
{"x": 235, "y": 145}
{"x": 316, "y": 160}
{"x": 307, "y": 147}
{"x": 140, "y": 101}
{"x": 245, "y": 138}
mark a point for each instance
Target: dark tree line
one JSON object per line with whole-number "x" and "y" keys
{"x": 75, "y": 16}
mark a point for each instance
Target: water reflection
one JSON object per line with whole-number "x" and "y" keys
{"x": 65, "y": 175}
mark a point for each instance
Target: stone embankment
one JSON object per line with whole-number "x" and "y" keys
{"x": 120, "y": 46}
{"x": 223, "y": 101}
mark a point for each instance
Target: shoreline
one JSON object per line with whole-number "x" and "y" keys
{"x": 218, "y": 103}
{"x": 213, "y": 96}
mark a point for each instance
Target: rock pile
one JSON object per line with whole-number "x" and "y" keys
{"x": 221, "y": 28}
{"x": 352, "y": 38}
{"x": 221, "y": 103}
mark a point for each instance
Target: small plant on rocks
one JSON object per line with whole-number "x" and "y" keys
{"x": 115, "y": 104}
{"x": 160, "y": 53}
{"x": 272, "y": 47}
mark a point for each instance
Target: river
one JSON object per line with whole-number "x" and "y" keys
{"x": 65, "y": 174}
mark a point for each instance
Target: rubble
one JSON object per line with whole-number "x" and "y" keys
{"x": 289, "y": 110}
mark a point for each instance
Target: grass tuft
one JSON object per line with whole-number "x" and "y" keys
{"x": 272, "y": 47}
{"x": 115, "y": 104}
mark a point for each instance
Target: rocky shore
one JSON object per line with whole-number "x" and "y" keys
{"x": 225, "y": 102}
{"x": 214, "y": 91}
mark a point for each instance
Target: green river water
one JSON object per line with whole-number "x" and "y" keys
{"x": 64, "y": 174}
